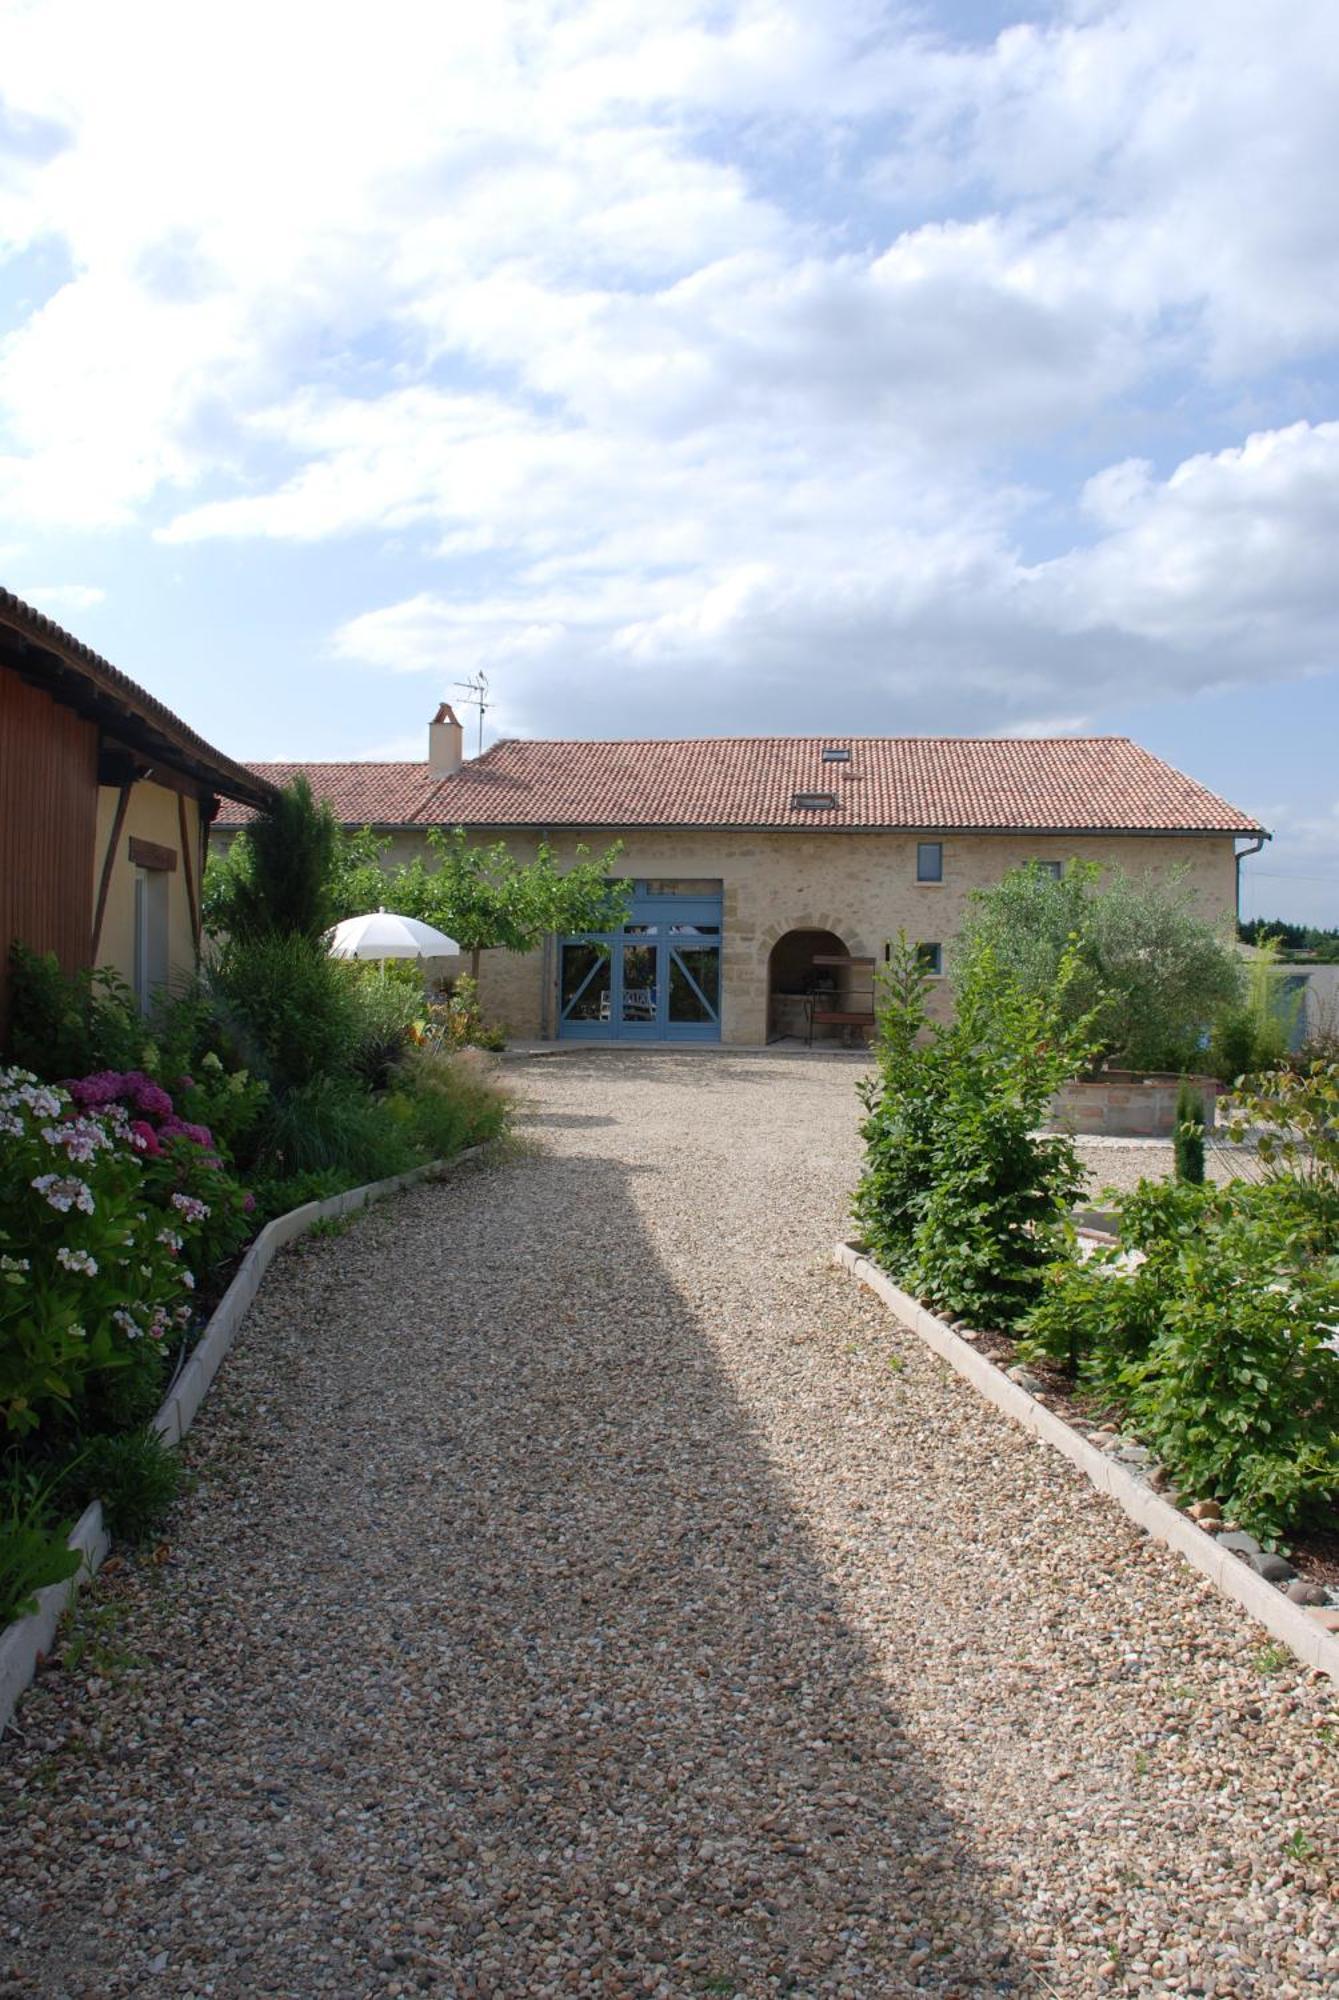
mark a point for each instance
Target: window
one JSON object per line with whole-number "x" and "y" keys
{"x": 813, "y": 801}
{"x": 929, "y": 861}
{"x": 1052, "y": 868}
{"x": 836, "y": 753}
{"x": 931, "y": 959}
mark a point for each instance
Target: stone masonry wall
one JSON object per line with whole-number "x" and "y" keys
{"x": 863, "y": 887}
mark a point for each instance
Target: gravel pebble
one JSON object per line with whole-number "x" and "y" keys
{"x": 588, "y": 1590}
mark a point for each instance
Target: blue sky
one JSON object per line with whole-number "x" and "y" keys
{"x": 716, "y": 366}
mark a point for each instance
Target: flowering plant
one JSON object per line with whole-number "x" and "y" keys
{"x": 180, "y": 1155}
{"x": 95, "y": 1260}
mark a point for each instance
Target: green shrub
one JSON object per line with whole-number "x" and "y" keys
{"x": 451, "y": 1101}
{"x": 1215, "y": 1342}
{"x": 92, "y": 1270}
{"x": 1188, "y": 1138}
{"x": 34, "y": 1551}
{"x": 961, "y": 1197}
{"x": 68, "y": 1023}
{"x": 136, "y": 1476}
{"x": 1153, "y": 973}
{"x": 278, "y": 1196}
{"x": 1255, "y": 1034}
{"x": 292, "y": 1008}
{"x": 458, "y": 1023}
{"x": 387, "y": 1010}
{"x": 332, "y": 1126}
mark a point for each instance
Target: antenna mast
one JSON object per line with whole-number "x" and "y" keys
{"x": 478, "y": 693}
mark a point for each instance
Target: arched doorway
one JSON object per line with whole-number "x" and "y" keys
{"x": 793, "y": 979}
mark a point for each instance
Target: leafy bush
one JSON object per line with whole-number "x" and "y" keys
{"x": 1210, "y": 1324}
{"x": 387, "y": 1011}
{"x": 34, "y": 1551}
{"x": 457, "y": 1022}
{"x": 332, "y": 1126}
{"x": 292, "y": 1008}
{"x": 67, "y": 1023}
{"x": 1255, "y": 1034}
{"x": 1154, "y": 973}
{"x": 451, "y": 1101}
{"x": 961, "y": 1196}
{"x": 91, "y": 1271}
{"x": 136, "y": 1476}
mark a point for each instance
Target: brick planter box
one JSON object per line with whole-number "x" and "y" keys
{"x": 1128, "y": 1104}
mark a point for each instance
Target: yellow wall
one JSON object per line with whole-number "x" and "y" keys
{"x": 152, "y": 815}
{"x": 861, "y": 886}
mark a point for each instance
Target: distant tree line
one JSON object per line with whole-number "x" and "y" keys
{"x": 1292, "y": 938}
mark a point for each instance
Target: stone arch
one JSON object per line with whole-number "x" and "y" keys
{"x": 791, "y": 974}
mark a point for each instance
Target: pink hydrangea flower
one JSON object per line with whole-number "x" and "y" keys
{"x": 144, "y": 1139}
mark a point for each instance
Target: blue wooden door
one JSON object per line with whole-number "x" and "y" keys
{"x": 658, "y": 979}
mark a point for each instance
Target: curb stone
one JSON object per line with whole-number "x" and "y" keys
{"x": 24, "y": 1642}
{"x": 1288, "y": 1622}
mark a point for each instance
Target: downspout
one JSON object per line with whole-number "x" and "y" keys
{"x": 1240, "y": 854}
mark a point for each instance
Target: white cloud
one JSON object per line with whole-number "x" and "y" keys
{"x": 59, "y": 599}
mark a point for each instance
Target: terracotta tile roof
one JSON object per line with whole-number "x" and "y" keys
{"x": 77, "y": 675}
{"x": 928, "y": 783}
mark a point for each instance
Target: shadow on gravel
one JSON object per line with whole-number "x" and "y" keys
{"x": 584, "y": 1716}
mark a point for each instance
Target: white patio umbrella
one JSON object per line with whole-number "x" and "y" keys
{"x": 385, "y": 935}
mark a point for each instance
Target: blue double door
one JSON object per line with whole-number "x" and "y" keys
{"x": 658, "y": 979}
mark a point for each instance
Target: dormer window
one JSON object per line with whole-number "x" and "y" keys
{"x": 813, "y": 801}
{"x": 836, "y": 753}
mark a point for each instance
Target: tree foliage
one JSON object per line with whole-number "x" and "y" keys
{"x": 484, "y": 897}
{"x": 1153, "y": 973}
{"x": 278, "y": 877}
{"x": 962, "y": 1199}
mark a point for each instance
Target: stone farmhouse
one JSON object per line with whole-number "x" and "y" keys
{"x": 771, "y": 872}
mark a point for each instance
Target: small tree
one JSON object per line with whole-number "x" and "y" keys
{"x": 1188, "y": 1139}
{"x": 961, "y": 1197}
{"x": 276, "y": 879}
{"x": 1156, "y": 973}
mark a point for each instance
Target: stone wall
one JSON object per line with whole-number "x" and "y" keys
{"x": 1128, "y": 1104}
{"x": 862, "y": 887}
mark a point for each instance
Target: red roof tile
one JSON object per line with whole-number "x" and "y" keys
{"x": 930, "y": 783}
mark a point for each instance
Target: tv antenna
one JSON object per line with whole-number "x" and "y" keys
{"x": 478, "y": 693}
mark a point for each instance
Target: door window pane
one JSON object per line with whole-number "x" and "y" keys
{"x": 639, "y": 983}
{"x": 694, "y": 984}
{"x": 585, "y": 982}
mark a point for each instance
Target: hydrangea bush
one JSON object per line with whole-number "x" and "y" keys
{"x": 108, "y": 1203}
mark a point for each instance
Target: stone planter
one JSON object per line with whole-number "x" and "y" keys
{"x": 1128, "y": 1104}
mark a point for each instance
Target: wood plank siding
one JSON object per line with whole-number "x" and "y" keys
{"x": 48, "y": 817}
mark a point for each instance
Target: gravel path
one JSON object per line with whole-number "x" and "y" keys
{"x": 588, "y": 1590}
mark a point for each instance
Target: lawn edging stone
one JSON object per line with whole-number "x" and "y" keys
{"x": 1292, "y": 1624}
{"x": 26, "y": 1640}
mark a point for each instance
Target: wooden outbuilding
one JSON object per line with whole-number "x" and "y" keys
{"x": 106, "y": 800}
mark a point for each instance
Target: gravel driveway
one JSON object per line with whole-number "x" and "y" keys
{"x": 588, "y": 1590}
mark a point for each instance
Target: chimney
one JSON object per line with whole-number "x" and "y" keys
{"x": 446, "y": 743}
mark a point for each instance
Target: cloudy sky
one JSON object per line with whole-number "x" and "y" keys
{"x": 693, "y": 367}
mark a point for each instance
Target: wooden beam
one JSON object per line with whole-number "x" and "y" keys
{"x": 187, "y": 862}
{"x": 148, "y": 854}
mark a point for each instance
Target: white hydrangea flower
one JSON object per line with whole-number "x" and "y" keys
{"x": 77, "y": 1260}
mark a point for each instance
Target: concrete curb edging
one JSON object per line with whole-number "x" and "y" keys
{"x": 23, "y": 1643}
{"x": 1287, "y": 1622}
